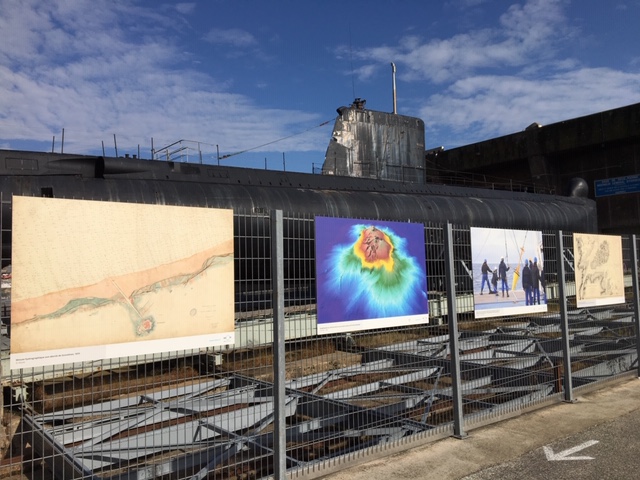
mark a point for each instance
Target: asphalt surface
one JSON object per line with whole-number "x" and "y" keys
{"x": 606, "y": 451}
{"x": 595, "y": 437}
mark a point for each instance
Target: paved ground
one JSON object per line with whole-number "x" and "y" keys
{"x": 603, "y": 425}
{"x": 608, "y": 450}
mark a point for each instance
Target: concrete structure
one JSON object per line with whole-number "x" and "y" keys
{"x": 596, "y": 148}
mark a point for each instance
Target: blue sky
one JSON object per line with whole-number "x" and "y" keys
{"x": 258, "y": 82}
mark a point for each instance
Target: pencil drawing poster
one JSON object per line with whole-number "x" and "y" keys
{"x": 96, "y": 280}
{"x": 598, "y": 269}
{"x": 508, "y": 272}
{"x": 370, "y": 274}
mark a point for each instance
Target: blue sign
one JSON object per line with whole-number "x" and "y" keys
{"x": 617, "y": 186}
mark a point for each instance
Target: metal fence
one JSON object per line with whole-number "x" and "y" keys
{"x": 285, "y": 401}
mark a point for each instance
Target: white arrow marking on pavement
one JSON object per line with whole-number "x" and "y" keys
{"x": 564, "y": 455}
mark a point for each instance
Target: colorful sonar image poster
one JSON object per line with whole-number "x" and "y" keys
{"x": 370, "y": 274}
{"x": 508, "y": 272}
{"x": 599, "y": 269}
{"x": 95, "y": 280}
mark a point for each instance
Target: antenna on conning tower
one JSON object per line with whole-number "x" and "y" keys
{"x": 393, "y": 77}
{"x": 353, "y": 82}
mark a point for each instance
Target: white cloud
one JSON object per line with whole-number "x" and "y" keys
{"x": 497, "y": 81}
{"x": 535, "y": 24}
{"x": 98, "y": 68}
{"x": 490, "y": 106}
{"x": 230, "y": 36}
{"x": 54, "y": 33}
{"x": 527, "y": 34}
{"x": 178, "y": 106}
{"x": 85, "y": 67}
{"x": 185, "y": 8}
{"x": 366, "y": 71}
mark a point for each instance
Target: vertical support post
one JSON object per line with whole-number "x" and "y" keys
{"x": 458, "y": 420}
{"x": 277, "y": 302}
{"x": 564, "y": 320}
{"x": 636, "y": 295}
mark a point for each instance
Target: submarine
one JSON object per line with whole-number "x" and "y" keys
{"x": 373, "y": 169}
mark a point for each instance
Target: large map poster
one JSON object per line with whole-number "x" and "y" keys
{"x": 95, "y": 280}
{"x": 599, "y": 269}
{"x": 370, "y": 274}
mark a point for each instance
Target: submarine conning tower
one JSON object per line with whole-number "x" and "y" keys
{"x": 379, "y": 145}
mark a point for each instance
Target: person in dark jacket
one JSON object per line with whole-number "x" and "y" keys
{"x": 535, "y": 282}
{"x": 485, "y": 276}
{"x": 502, "y": 270}
{"x": 526, "y": 282}
{"x": 494, "y": 280}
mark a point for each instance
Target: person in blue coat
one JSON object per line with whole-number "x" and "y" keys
{"x": 535, "y": 282}
{"x": 485, "y": 276}
{"x": 526, "y": 282}
{"x": 502, "y": 270}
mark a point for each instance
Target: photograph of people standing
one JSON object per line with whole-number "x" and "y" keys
{"x": 515, "y": 281}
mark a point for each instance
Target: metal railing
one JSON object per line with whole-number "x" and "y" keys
{"x": 429, "y": 175}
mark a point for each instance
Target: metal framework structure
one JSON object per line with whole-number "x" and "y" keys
{"x": 286, "y": 402}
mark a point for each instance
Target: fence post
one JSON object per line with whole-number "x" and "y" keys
{"x": 458, "y": 420}
{"x": 277, "y": 302}
{"x": 564, "y": 320}
{"x": 636, "y": 299}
